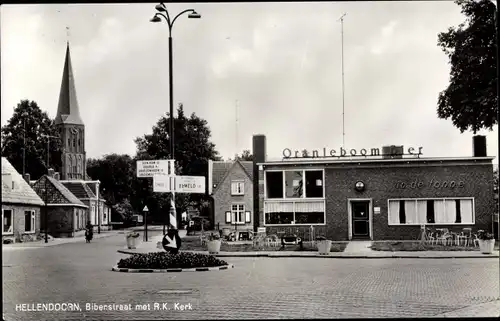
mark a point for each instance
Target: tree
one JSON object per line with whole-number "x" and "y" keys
{"x": 471, "y": 97}
{"x": 25, "y": 130}
{"x": 246, "y": 155}
{"x": 193, "y": 149}
{"x": 116, "y": 175}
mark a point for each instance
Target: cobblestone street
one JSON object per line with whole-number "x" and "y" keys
{"x": 257, "y": 288}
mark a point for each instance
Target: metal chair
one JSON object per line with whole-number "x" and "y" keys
{"x": 203, "y": 238}
{"x": 272, "y": 240}
{"x": 466, "y": 235}
{"x": 444, "y": 236}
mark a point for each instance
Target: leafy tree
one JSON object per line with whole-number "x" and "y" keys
{"x": 193, "y": 149}
{"x": 124, "y": 209}
{"x": 246, "y": 155}
{"x": 25, "y": 130}
{"x": 116, "y": 175}
{"x": 471, "y": 97}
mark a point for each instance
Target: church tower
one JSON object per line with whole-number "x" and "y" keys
{"x": 70, "y": 127}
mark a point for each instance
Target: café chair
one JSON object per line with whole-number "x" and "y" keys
{"x": 272, "y": 240}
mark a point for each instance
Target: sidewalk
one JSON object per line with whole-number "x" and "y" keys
{"x": 58, "y": 241}
{"x": 151, "y": 246}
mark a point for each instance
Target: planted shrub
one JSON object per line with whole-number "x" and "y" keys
{"x": 165, "y": 260}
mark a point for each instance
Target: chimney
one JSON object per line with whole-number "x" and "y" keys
{"x": 259, "y": 148}
{"x": 27, "y": 178}
{"x": 259, "y": 156}
{"x": 479, "y": 146}
{"x": 57, "y": 176}
{"x": 51, "y": 172}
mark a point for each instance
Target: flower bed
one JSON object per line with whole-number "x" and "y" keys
{"x": 164, "y": 260}
{"x": 398, "y": 246}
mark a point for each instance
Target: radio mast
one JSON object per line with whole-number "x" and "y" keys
{"x": 343, "y": 104}
{"x": 236, "y": 118}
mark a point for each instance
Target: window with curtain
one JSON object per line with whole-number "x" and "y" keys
{"x": 444, "y": 211}
{"x": 294, "y": 212}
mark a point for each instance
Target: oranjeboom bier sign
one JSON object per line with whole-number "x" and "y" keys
{"x": 371, "y": 152}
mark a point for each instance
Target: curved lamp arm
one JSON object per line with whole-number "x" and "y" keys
{"x": 180, "y": 14}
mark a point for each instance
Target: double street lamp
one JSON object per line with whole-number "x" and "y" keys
{"x": 163, "y": 13}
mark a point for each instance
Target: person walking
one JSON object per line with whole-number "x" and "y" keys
{"x": 89, "y": 232}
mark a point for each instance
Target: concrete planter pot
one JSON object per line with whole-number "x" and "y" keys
{"x": 132, "y": 242}
{"x": 213, "y": 246}
{"x": 182, "y": 233}
{"x": 486, "y": 246}
{"x": 324, "y": 247}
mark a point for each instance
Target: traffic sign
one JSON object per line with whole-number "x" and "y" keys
{"x": 178, "y": 184}
{"x": 190, "y": 184}
{"x": 163, "y": 184}
{"x": 171, "y": 241}
{"x": 145, "y": 209}
{"x": 150, "y": 168}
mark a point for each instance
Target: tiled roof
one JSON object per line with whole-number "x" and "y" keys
{"x": 22, "y": 192}
{"x": 221, "y": 169}
{"x": 79, "y": 189}
{"x": 72, "y": 199}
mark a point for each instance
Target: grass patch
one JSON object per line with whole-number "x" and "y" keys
{"x": 165, "y": 260}
{"x": 194, "y": 244}
{"x": 397, "y": 246}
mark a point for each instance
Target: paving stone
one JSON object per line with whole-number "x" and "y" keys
{"x": 257, "y": 288}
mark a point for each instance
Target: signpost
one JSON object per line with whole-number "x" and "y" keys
{"x": 145, "y": 210}
{"x": 179, "y": 184}
{"x": 165, "y": 181}
{"x": 151, "y": 168}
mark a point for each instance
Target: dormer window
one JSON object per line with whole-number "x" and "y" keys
{"x": 237, "y": 187}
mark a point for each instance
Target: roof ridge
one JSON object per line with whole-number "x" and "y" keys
{"x": 62, "y": 189}
{"x": 237, "y": 161}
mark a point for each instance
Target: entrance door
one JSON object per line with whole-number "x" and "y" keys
{"x": 360, "y": 217}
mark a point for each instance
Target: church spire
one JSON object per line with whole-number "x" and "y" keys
{"x": 67, "y": 110}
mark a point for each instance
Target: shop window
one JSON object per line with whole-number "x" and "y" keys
{"x": 237, "y": 188}
{"x": 274, "y": 184}
{"x": 237, "y": 214}
{"x": 7, "y": 221}
{"x": 314, "y": 184}
{"x": 297, "y": 212}
{"x": 441, "y": 211}
{"x": 29, "y": 221}
{"x": 294, "y": 184}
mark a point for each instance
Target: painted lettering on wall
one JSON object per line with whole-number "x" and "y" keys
{"x": 288, "y": 153}
{"x": 433, "y": 183}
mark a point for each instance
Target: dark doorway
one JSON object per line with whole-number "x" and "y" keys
{"x": 360, "y": 219}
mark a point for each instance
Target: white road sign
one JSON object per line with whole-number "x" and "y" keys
{"x": 145, "y": 209}
{"x": 150, "y": 168}
{"x": 163, "y": 184}
{"x": 190, "y": 184}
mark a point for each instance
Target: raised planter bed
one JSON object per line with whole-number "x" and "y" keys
{"x": 165, "y": 260}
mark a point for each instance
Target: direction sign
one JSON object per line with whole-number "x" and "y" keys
{"x": 150, "y": 168}
{"x": 163, "y": 184}
{"x": 190, "y": 184}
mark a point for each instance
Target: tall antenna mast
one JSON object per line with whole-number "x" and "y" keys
{"x": 236, "y": 115}
{"x": 343, "y": 104}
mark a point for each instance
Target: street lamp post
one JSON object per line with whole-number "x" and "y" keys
{"x": 162, "y": 12}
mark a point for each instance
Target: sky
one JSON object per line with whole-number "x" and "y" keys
{"x": 247, "y": 68}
